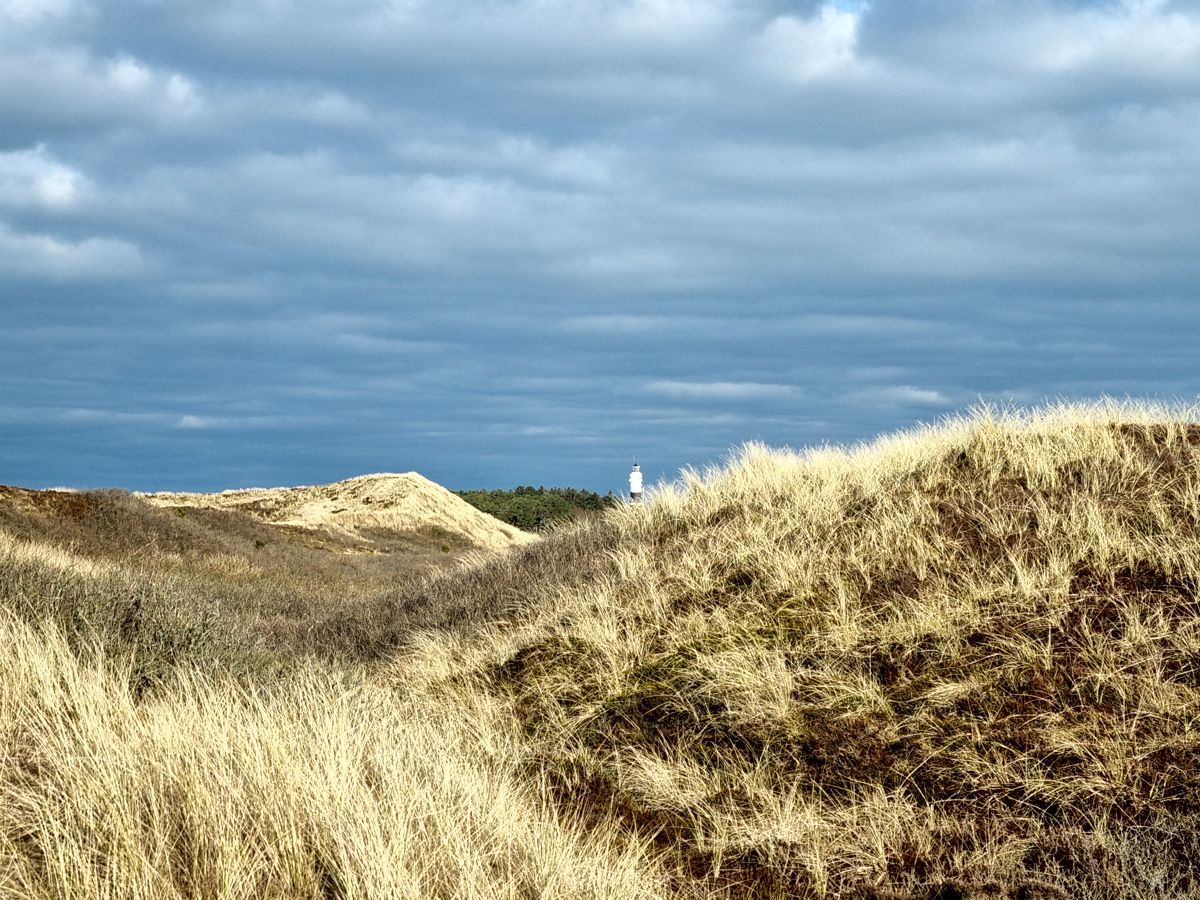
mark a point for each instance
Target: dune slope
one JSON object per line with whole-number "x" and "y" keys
{"x": 958, "y": 662}
{"x": 361, "y": 507}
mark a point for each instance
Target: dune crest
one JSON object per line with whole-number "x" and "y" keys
{"x": 359, "y": 506}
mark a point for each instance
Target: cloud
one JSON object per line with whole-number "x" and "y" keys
{"x": 190, "y": 422}
{"x": 720, "y": 390}
{"x": 1147, "y": 40}
{"x": 904, "y": 394}
{"x": 674, "y": 21}
{"x": 31, "y": 177}
{"x": 623, "y": 324}
{"x": 511, "y": 242}
{"x": 49, "y": 90}
{"x": 807, "y": 49}
{"x": 82, "y": 415}
{"x": 1144, "y": 37}
{"x": 44, "y": 256}
{"x": 520, "y": 155}
{"x": 35, "y": 12}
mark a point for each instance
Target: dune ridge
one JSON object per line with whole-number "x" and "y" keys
{"x": 358, "y": 506}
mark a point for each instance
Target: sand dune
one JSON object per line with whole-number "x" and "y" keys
{"x": 361, "y": 506}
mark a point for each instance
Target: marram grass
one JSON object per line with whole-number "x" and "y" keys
{"x": 328, "y": 787}
{"x": 961, "y": 661}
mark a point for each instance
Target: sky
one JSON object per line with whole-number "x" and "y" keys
{"x": 501, "y": 242}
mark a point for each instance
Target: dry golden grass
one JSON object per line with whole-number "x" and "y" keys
{"x": 962, "y": 661}
{"x": 330, "y": 786}
{"x": 227, "y": 573}
{"x": 48, "y": 556}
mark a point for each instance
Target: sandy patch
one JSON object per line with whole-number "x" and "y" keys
{"x": 394, "y": 502}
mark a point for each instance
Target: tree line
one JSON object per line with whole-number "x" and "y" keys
{"x": 532, "y": 508}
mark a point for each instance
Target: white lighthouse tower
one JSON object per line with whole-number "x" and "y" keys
{"x": 635, "y": 484}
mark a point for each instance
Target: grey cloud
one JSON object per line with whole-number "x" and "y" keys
{"x": 32, "y": 178}
{"x": 720, "y": 390}
{"x": 49, "y": 257}
{"x": 902, "y": 394}
{"x": 500, "y": 242}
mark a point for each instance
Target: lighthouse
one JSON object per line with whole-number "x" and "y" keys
{"x": 635, "y": 484}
